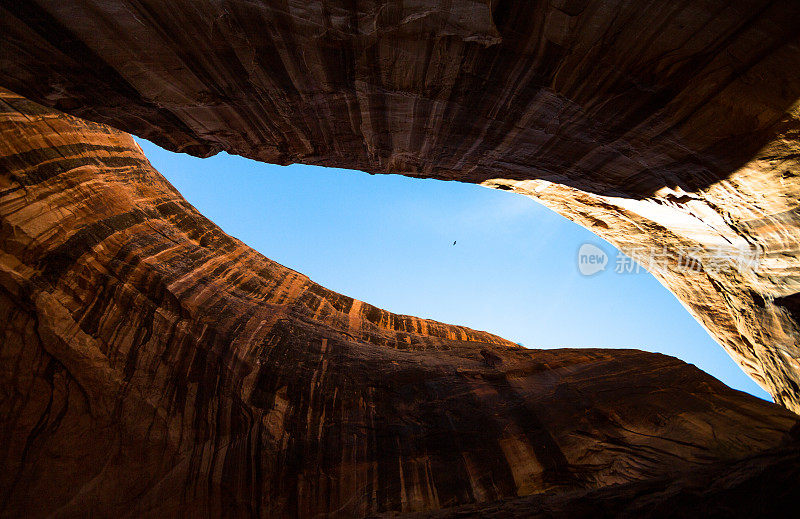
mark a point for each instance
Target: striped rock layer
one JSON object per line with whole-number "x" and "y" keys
{"x": 665, "y": 126}
{"x": 151, "y": 365}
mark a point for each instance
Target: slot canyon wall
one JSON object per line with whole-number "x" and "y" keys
{"x": 670, "y": 125}
{"x": 152, "y": 365}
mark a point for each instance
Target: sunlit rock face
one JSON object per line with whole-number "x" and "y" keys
{"x": 669, "y": 125}
{"x": 151, "y": 365}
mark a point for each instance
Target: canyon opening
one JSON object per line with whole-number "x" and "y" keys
{"x": 153, "y": 365}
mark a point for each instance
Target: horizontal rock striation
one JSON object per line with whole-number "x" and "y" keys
{"x": 151, "y": 365}
{"x": 664, "y": 125}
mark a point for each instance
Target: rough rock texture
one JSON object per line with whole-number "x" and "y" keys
{"x": 665, "y": 124}
{"x": 765, "y": 485}
{"x": 152, "y": 365}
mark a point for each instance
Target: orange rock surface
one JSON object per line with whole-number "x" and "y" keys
{"x": 662, "y": 125}
{"x": 152, "y": 365}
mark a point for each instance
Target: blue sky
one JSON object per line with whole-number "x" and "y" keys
{"x": 388, "y": 240}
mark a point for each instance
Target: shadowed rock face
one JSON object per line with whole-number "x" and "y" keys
{"x": 152, "y": 365}
{"x": 668, "y": 126}
{"x": 765, "y": 485}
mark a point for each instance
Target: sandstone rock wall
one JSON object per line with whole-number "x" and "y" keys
{"x": 665, "y": 124}
{"x": 151, "y": 365}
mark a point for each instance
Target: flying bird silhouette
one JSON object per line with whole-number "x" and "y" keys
{"x": 454, "y": 243}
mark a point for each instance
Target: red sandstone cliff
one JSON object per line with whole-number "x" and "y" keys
{"x": 670, "y": 125}
{"x": 151, "y": 365}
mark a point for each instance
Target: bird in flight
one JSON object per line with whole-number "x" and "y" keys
{"x": 454, "y": 243}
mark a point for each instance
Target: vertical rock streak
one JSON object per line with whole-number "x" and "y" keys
{"x": 152, "y": 365}
{"x": 664, "y": 124}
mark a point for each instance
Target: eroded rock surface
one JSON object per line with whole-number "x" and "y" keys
{"x": 667, "y": 125}
{"x": 765, "y": 485}
{"x": 151, "y": 365}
